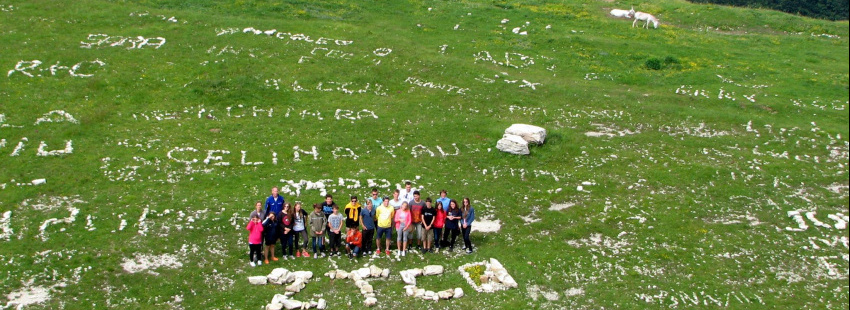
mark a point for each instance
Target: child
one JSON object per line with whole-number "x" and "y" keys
{"x": 429, "y": 213}
{"x": 468, "y": 215}
{"x": 439, "y": 221}
{"x": 286, "y": 234}
{"x": 317, "y": 226}
{"x": 335, "y": 226}
{"x": 403, "y": 224}
{"x": 299, "y": 227}
{"x": 255, "y": 240}
{"x": 353, "y": 241}
{"x": 453, "y": 222}
{"x": 384, "y": 214}
{"x": 270, "y": 232}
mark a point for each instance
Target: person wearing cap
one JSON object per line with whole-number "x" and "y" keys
{"x": 352, "y": 213}
{"x": 384, "y": 214}
{"x": 367, "y": 223}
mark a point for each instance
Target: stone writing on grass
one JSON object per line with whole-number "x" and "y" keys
{"x": 242, "y": 111}
{"x": 288, "y": 36}
{"x": 349, "y": 88}
{"x": 33, "y": 68}
{"x": 105, "y": 40}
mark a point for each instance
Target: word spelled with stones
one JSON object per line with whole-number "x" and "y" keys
{"x": 139, "y": 42}
{"x": 32, "y": 68}
{"x": 349, "y": 88}
{"x": 513, "y": 60}
{"x": 242, "y": 111}
{"x": 518, "y": 136}
{"x": 673, "y": 299}
{"x": 426, "y": 84}
{"x": 283, "y": 36}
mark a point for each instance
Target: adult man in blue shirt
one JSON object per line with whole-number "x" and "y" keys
{"x": 376, "y": 201}
{"x": 274, "y": 203}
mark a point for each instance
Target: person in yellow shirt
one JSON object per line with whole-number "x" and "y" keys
{"x": 385, "y": 214}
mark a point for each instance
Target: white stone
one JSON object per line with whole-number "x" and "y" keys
{"x": 296, "y": 286}
{"x": 369, "y": 302}
{"x": 278, "y": 298}
{"x": 274, "y": 306}
{"x": 258, "y": 280}
{"x": 410, "y": 290}
{"x": 458, "y": 293}
{"x": 278, "y": 275}
{"x": 322, "y": 304}
{"x": 408, "y": 277}
{"x": 366, "y": 289}
{"x": 385, "y": 273}
{"x": 429, "y": 294}
{"x": 363, "y": 272}
{"x": 419, "y": 292}
{"x": 446, "y": 294}
{"x": 292, "y": 304}
{"x": 509, "y": 282}
{"x": 341, "y": 274}
{"x": 487, "y": 288}
{"x": 431, "y": 270}
{"x": 374, "y": 271}
{"x": 303, "y": 275}
{"x": 513, "y": 144}
{"x": 530, "y": 133}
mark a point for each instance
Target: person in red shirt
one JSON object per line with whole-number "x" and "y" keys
{"x": 353, "y": 242}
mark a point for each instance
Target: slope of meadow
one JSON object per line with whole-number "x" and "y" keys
{"x": 703, "y": 164}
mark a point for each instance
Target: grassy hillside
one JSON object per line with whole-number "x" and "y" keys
{"x": 675, "y": 162}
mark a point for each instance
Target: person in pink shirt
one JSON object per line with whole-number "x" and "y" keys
{"x": 404, "y": 226}
{"x": 255, "y": 240}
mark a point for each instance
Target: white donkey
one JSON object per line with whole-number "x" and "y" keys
{"x": 623, "y": 13}
{"x": 647, "y": 17}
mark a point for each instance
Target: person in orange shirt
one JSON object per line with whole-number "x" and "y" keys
{"x": 353, "y": 242}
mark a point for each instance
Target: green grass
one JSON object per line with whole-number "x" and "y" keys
{"x": 684, "y": 205}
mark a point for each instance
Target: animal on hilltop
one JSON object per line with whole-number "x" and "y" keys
{"x": 645, "y": 17}
{"x": 623, "y": 13}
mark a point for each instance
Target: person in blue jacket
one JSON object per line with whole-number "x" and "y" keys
{"x": 467, "y": 217}
{"x": 274, "y": 204}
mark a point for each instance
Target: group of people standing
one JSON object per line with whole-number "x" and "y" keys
{"x": 435, "y": 225}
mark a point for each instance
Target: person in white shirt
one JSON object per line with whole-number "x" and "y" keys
{"x": 406, "y": 194}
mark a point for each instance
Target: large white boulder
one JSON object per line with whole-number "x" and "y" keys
{"x": 513, "y": 144}
{"x": 369, "y": 302}
{"x": 458, "y": 293}
{"x": 258, "y": 280}
{"x": 292, "y": 304}
{"x": 278, "y": 275}
{"x": 530, "y": 133}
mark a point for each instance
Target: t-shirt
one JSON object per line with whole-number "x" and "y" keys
{"x": 416, "y": 210}
{"x": 299, "y": 222}
{"x": 384, "y": 216}
{"x": 404, "y": 195}
{"x": 445, "y": 201}
{"x": 429, "y": 215}
{"x": 368, "y": 217}
{"x": 327, "y": 209}
{"x": 396, "y": 204}
{"x": 453, "y": 224}
{"x": 335, "y": 221}
{"x": 376, "y": 202}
